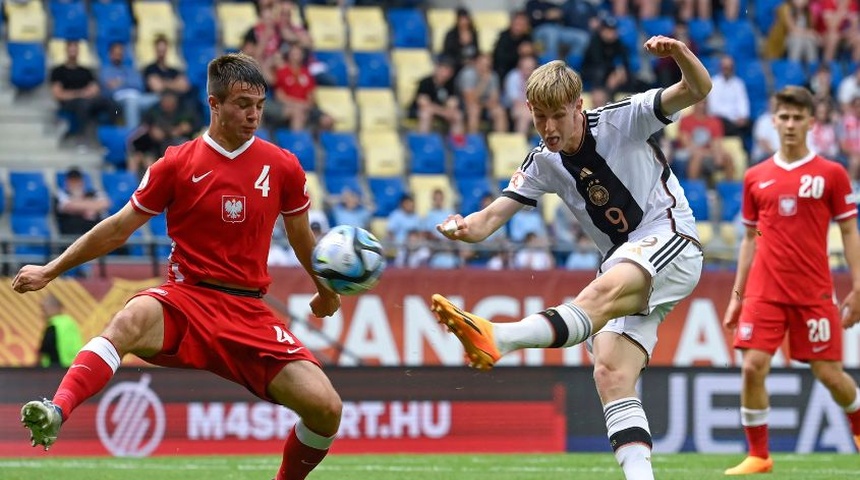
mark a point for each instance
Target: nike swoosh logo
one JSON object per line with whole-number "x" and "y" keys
{"x": 294, "y": 350}
{"x": 766, "y": 184}
{"x": 820, "y": 349}
{"x": 80, "y": 365}
{"x": 196, "y": 179}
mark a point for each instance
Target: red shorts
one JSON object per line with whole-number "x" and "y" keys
{"x": 236, "y": 337}
{"x": 814, "y": 331}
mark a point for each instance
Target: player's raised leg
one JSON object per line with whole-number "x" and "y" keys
{"x": 844, "y": 390}
{"x": 755, "y": 407}
{"x": 621, "y": 290}
{"x": 138, "y": 328}
{"x": 303, "y": 387}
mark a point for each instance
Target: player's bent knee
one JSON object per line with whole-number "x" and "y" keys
{"x": 611, "y": 381}
{"x": 828, "y": 373}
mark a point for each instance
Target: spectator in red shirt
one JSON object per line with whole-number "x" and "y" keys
{"x": 294, "y": 86}
{"x": 699, "y": 144}
{"x": 837, "y": 23}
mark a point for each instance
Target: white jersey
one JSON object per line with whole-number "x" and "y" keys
{"x": 618, "y": 184}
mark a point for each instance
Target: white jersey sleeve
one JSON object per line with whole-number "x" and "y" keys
{"x": 526, "y": 185}
{"x": 637, "y": 117}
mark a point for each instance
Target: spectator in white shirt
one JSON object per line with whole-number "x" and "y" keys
{"x": 849, "y": 89}
{"x": 514, "y": 95}
{"x": 728, "y": 100}
{"x": 534, "y": 255}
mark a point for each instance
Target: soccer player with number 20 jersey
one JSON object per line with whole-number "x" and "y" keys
{"x": 783, "y": 284}
{"x": 613, "y": 177}
{"x": 223, "y": 193}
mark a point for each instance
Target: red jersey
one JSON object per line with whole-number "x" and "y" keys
{"x": 295, "y": 84}
{"x": 222, "y": 207}
{"x": 792, "y": 206}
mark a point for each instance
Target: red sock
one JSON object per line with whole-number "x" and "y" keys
{"x": 757, "y": 439}
{"x": 854, "y": 420}
{"x": 90, "y": 372}
{"x": 299, "y": 459}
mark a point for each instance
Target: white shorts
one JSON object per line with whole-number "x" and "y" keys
{"x": 675, "y": 265}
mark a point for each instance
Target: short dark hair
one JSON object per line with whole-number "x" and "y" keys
{"x": 228, "y": 70}
{"x": 795, "y": 96}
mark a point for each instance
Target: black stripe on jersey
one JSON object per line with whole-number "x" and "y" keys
{"x": 668, "y": 252}
{"x": 658, "y": 107}
{"x": 614, "y": 105}
{"x": 664, "y": 176}
{"x": 528, "y": 161}
{"x": 590, "y": 172}
{"x": 520, "y": 198}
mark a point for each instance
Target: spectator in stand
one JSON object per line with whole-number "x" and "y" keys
{"x": 291, "y": 26}
{"x": 599, "y": 97}
{"x": 849, "y": 89}
{"x": 435, "y": 99}
{"x": 584, "y": 256}
{"x": 583, "y": 16}
{"x": 514, "y": 94}
{"x": 167, "y": 123}
{"x": 525, "y": 222}
{"x": 438, "y": 213}
{"x": 838, "y": 24}
{"x": 534, "y": 254}
{"x": 403, "y": 220}
{"x": 124, "y": 84}
{"x": 564, "y": 229}
{"x": 849, "y": 138}
{"x": 699, "y": 136}
{"x": 293, "y": 104}
{"x": 606, "y": 63}
{"x": 824, "y": 136}
{"x": 551, "y": 32}
{"x": 415, "y": 252}
{"x": 728, "y": 100}
{"x": 78, "y": 208}
{"x": 792, "y": 31}
{"x": 349, "y": 210}
{"x": 506, "y": 53}
{"x": 480, "y": 89}
{"x": 461, "y": 42}
{"x": 78, "y": 93}
{"x": 821, "y": 83}
{"x": 61, "y": 340}
{"x": 160, "y": 77}
{"x": 702, "y": 9}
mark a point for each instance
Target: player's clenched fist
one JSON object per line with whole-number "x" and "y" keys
{"x": 661, "y": 46}
{"x": 30, "y": 278}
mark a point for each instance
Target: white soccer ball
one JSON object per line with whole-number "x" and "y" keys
{"x": 349, "y": 260}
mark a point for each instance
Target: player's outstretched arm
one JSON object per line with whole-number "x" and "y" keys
{"x": 302, "y": 239}
{"x": 480, "y": 225}
{"x": 850, "y": 307}
{"x": 108, "y": 235}
{"x": 695, "y": 83}
{"x": 746, "y": 253}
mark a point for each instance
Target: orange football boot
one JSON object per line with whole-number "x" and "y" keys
{"x": 857, "y": 442}
{"x": 475, "y": 333}
{"x": 752, "y": 465}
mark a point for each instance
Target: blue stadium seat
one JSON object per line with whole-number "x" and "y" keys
{"x": 336, "y": 63}
{"x": 70, "y": 20}
{"x": 33, "y": 226}
{"x": 836, "y": 72}
{"x": 427, "y": 151}
{"x": 658, "y": 26}
{"x": 263, "y": 134}
{"x": 753, "y": 76}
{"x": 340, "y": 153}
{"x": 765, "y": 13}
{"x": 712, "y": 64}
{"x": 28, "y": 65}
{"x": 386, "y": 193}
{"x": 334, "y": 184}
{"x": 472, "y": 190}
{"x": 198, "y": 20}
{"x": 30, "y": 194}
{"x": 2, "y": 199}
{"x": 731, "y": 195}
{"x": 301, "y": 143}
{"x": 113, "y": 21}
{"x": 787, "y": 72}
{"x": 115, "y": 141}
{"x": 628, "y": 32}
{"x": 374, "y": 70}
{"x": 197, "y": 57}
{"x": 696, "y": 192}
{"x": 701, "y": 30}
{"x": 158, "y": 229}
{"x": 741, "y": 43}
{"x": 408, "y": 28}
{"x": 470, "y": 159}
{"x": 119, "y": 186}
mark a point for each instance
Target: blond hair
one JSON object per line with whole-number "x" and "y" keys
{"x": 553, "y": 85}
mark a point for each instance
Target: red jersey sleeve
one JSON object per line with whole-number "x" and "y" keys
{"x": 749, "y": 209}
{"x": 295, "y": 199}
{"x": 155, "y": 191}
{"x": 842, "y": 205}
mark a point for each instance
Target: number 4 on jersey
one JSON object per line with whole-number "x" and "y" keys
{"x": 262, "y": 182}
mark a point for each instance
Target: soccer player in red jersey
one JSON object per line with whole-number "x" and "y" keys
{"x": 223, "y": 193}
{"x": 783, "y": 284}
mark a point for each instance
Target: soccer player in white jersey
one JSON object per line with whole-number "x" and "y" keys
{"x": 616, "y": 181}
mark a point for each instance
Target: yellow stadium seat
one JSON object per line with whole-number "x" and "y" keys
{"x": 422, "y": 186}
{"x": 337, "y": 103}
{"x": 154, "y": 19}
{"x": 489, "y": 25}
{"x": 729, "y": 234}
{"x": 27, "y": 22}
{"x": 835, "y": 247}
{"x": 57, "y": 53}
{"x": 326, "y": 27}
{"x": 706, "y": 232}
{"x": 144, "y": 54}
{"x": 549, "y": 204}
{"x": 368, "y": 30}
{"x": 735, "y": 148}
{"x": 508, "y": 151}
{"x": 383, "y": 153}
{"x": 315, "y": 190}
{"x": 410, "y": 65}
{"x": 377, "y": 109}
{"x": 235, "y": 19}
{"x": 379, "y": 227}
{"x": 440, "y": 20}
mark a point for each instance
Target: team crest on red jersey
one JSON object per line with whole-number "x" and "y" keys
{"x": 745, "y": 331}
{"x": 233, "y": 208}
{"x": 787, "y": 205}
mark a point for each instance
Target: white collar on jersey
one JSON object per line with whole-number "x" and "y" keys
{"x": 777, "y": 159}
{"x": 223, "y": 151}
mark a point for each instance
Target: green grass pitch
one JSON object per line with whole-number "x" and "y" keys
{"x": 421, "y": 467}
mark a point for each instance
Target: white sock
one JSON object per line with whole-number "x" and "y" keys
{"x": 754, "y": 418}
{"x": 312, "y": 439}
{"x": 855, "y": 405}
{"x": 630, "y": 437}
{"x": 562, "y": 326}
